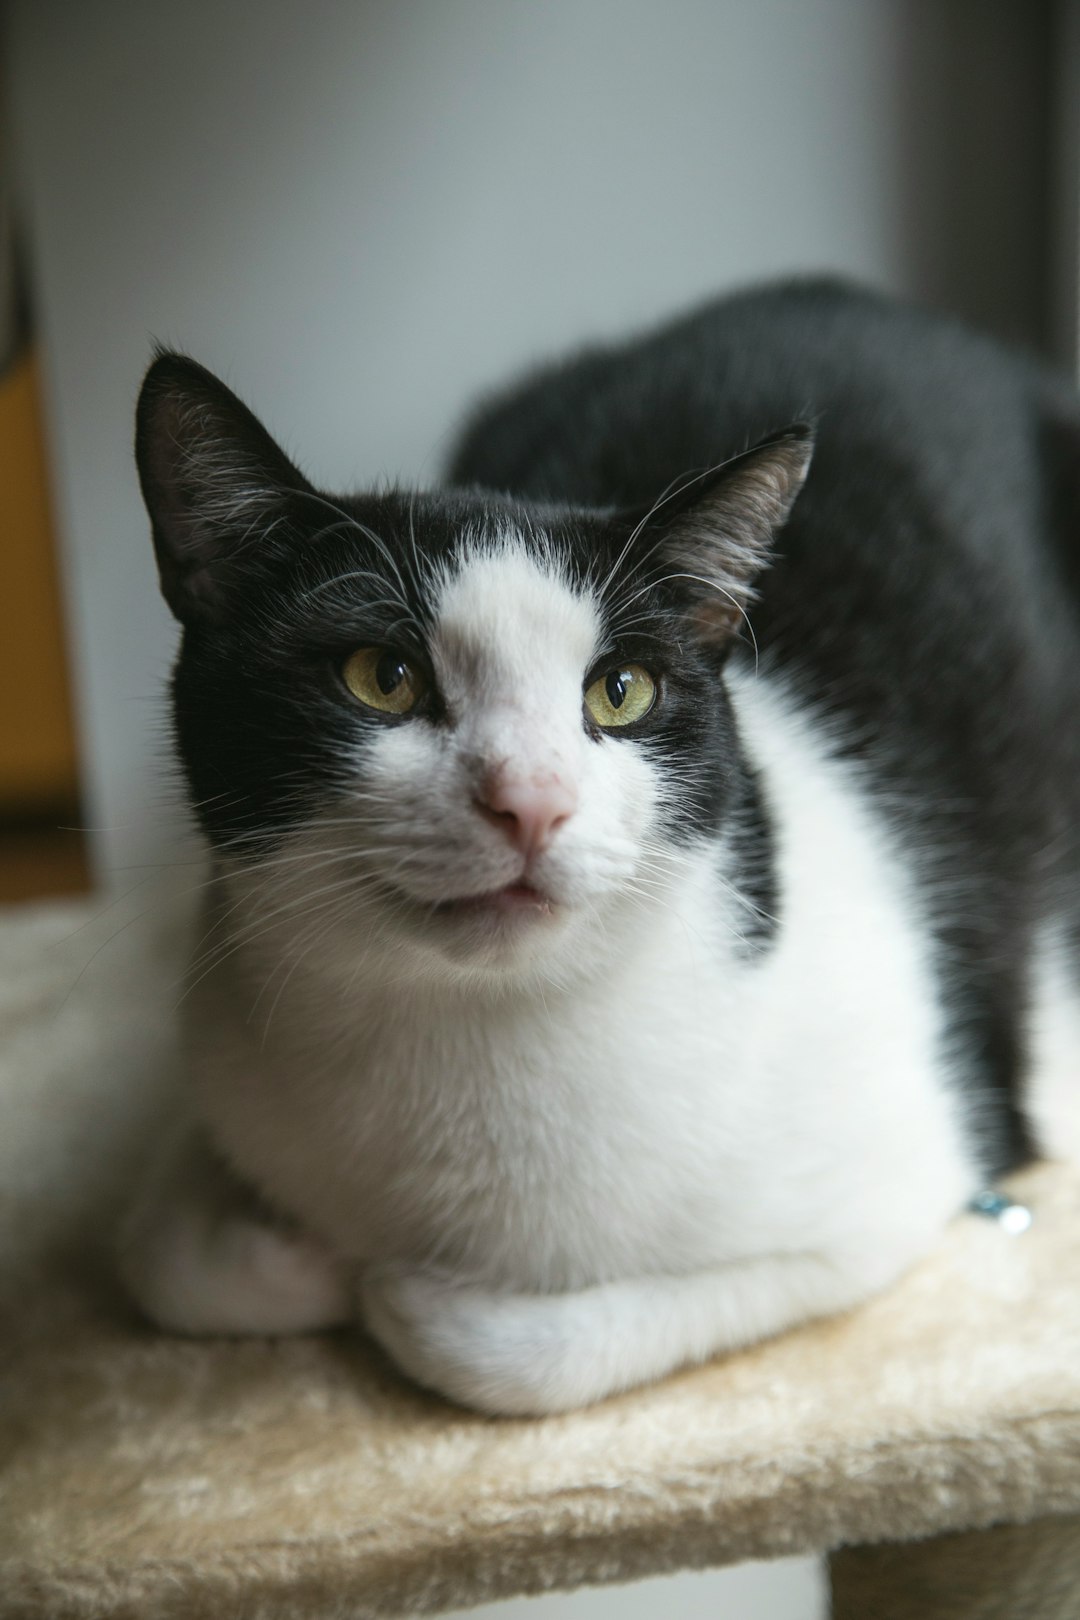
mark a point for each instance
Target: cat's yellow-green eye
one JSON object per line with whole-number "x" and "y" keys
{"x": 384, "y": 679}
{"x": 621, "y": 696}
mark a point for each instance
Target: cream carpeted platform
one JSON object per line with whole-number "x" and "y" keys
{"x": 142, "y": 1476}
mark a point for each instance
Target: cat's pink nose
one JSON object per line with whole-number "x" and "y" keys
{"x": 529, "y": 810}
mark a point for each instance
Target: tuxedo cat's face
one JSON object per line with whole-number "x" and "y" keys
{"x": 446, "y": 728}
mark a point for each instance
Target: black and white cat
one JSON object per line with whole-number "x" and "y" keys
{"x": 592, "y": 982}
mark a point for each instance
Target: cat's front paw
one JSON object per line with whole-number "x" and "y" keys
{"x": 511, "y": 1355}
{"x": 194, "y": 1273}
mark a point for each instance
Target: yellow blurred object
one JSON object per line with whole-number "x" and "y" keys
{"x": 38, "y": 760}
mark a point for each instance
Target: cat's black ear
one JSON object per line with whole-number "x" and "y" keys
{"x": 215, "y": 484}
{"x": 714, "y": 534}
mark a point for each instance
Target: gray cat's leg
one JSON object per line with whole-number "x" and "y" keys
{"x": 201, "y": 1255}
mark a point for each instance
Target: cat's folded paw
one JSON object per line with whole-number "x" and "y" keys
{"x": 233, "y": 1276}
{"x": 297, "y": 1280}
{"x": 511, "y": 1355}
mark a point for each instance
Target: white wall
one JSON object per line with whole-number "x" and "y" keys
{"x": 789, "y": 1589}
{"x": 362, "y": 211}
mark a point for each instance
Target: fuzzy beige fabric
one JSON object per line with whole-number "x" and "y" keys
{"x": 147, "y": 1476}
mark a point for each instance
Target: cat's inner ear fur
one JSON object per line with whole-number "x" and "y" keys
{"x": 215, "y": 484}
{"x": 716, "y": 533}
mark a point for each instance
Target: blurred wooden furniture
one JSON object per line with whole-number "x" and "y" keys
{"x": 38, "y": 766}
{"x": 40, "y": 852}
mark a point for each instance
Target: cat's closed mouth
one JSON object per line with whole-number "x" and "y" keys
{"x": 514, "y": 897}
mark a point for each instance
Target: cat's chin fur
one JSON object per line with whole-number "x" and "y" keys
{"x": 469, "y": 942}
{"x": 562, "y": 1053}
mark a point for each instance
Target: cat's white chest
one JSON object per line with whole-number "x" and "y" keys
{"x": 551, "y": 1142}
{"x": 719, "y": 1115}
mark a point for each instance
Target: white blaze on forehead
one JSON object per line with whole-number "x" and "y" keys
{"x": 511, "y": 634}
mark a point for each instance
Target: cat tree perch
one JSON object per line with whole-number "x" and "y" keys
{"x": 930, "y": 1442}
